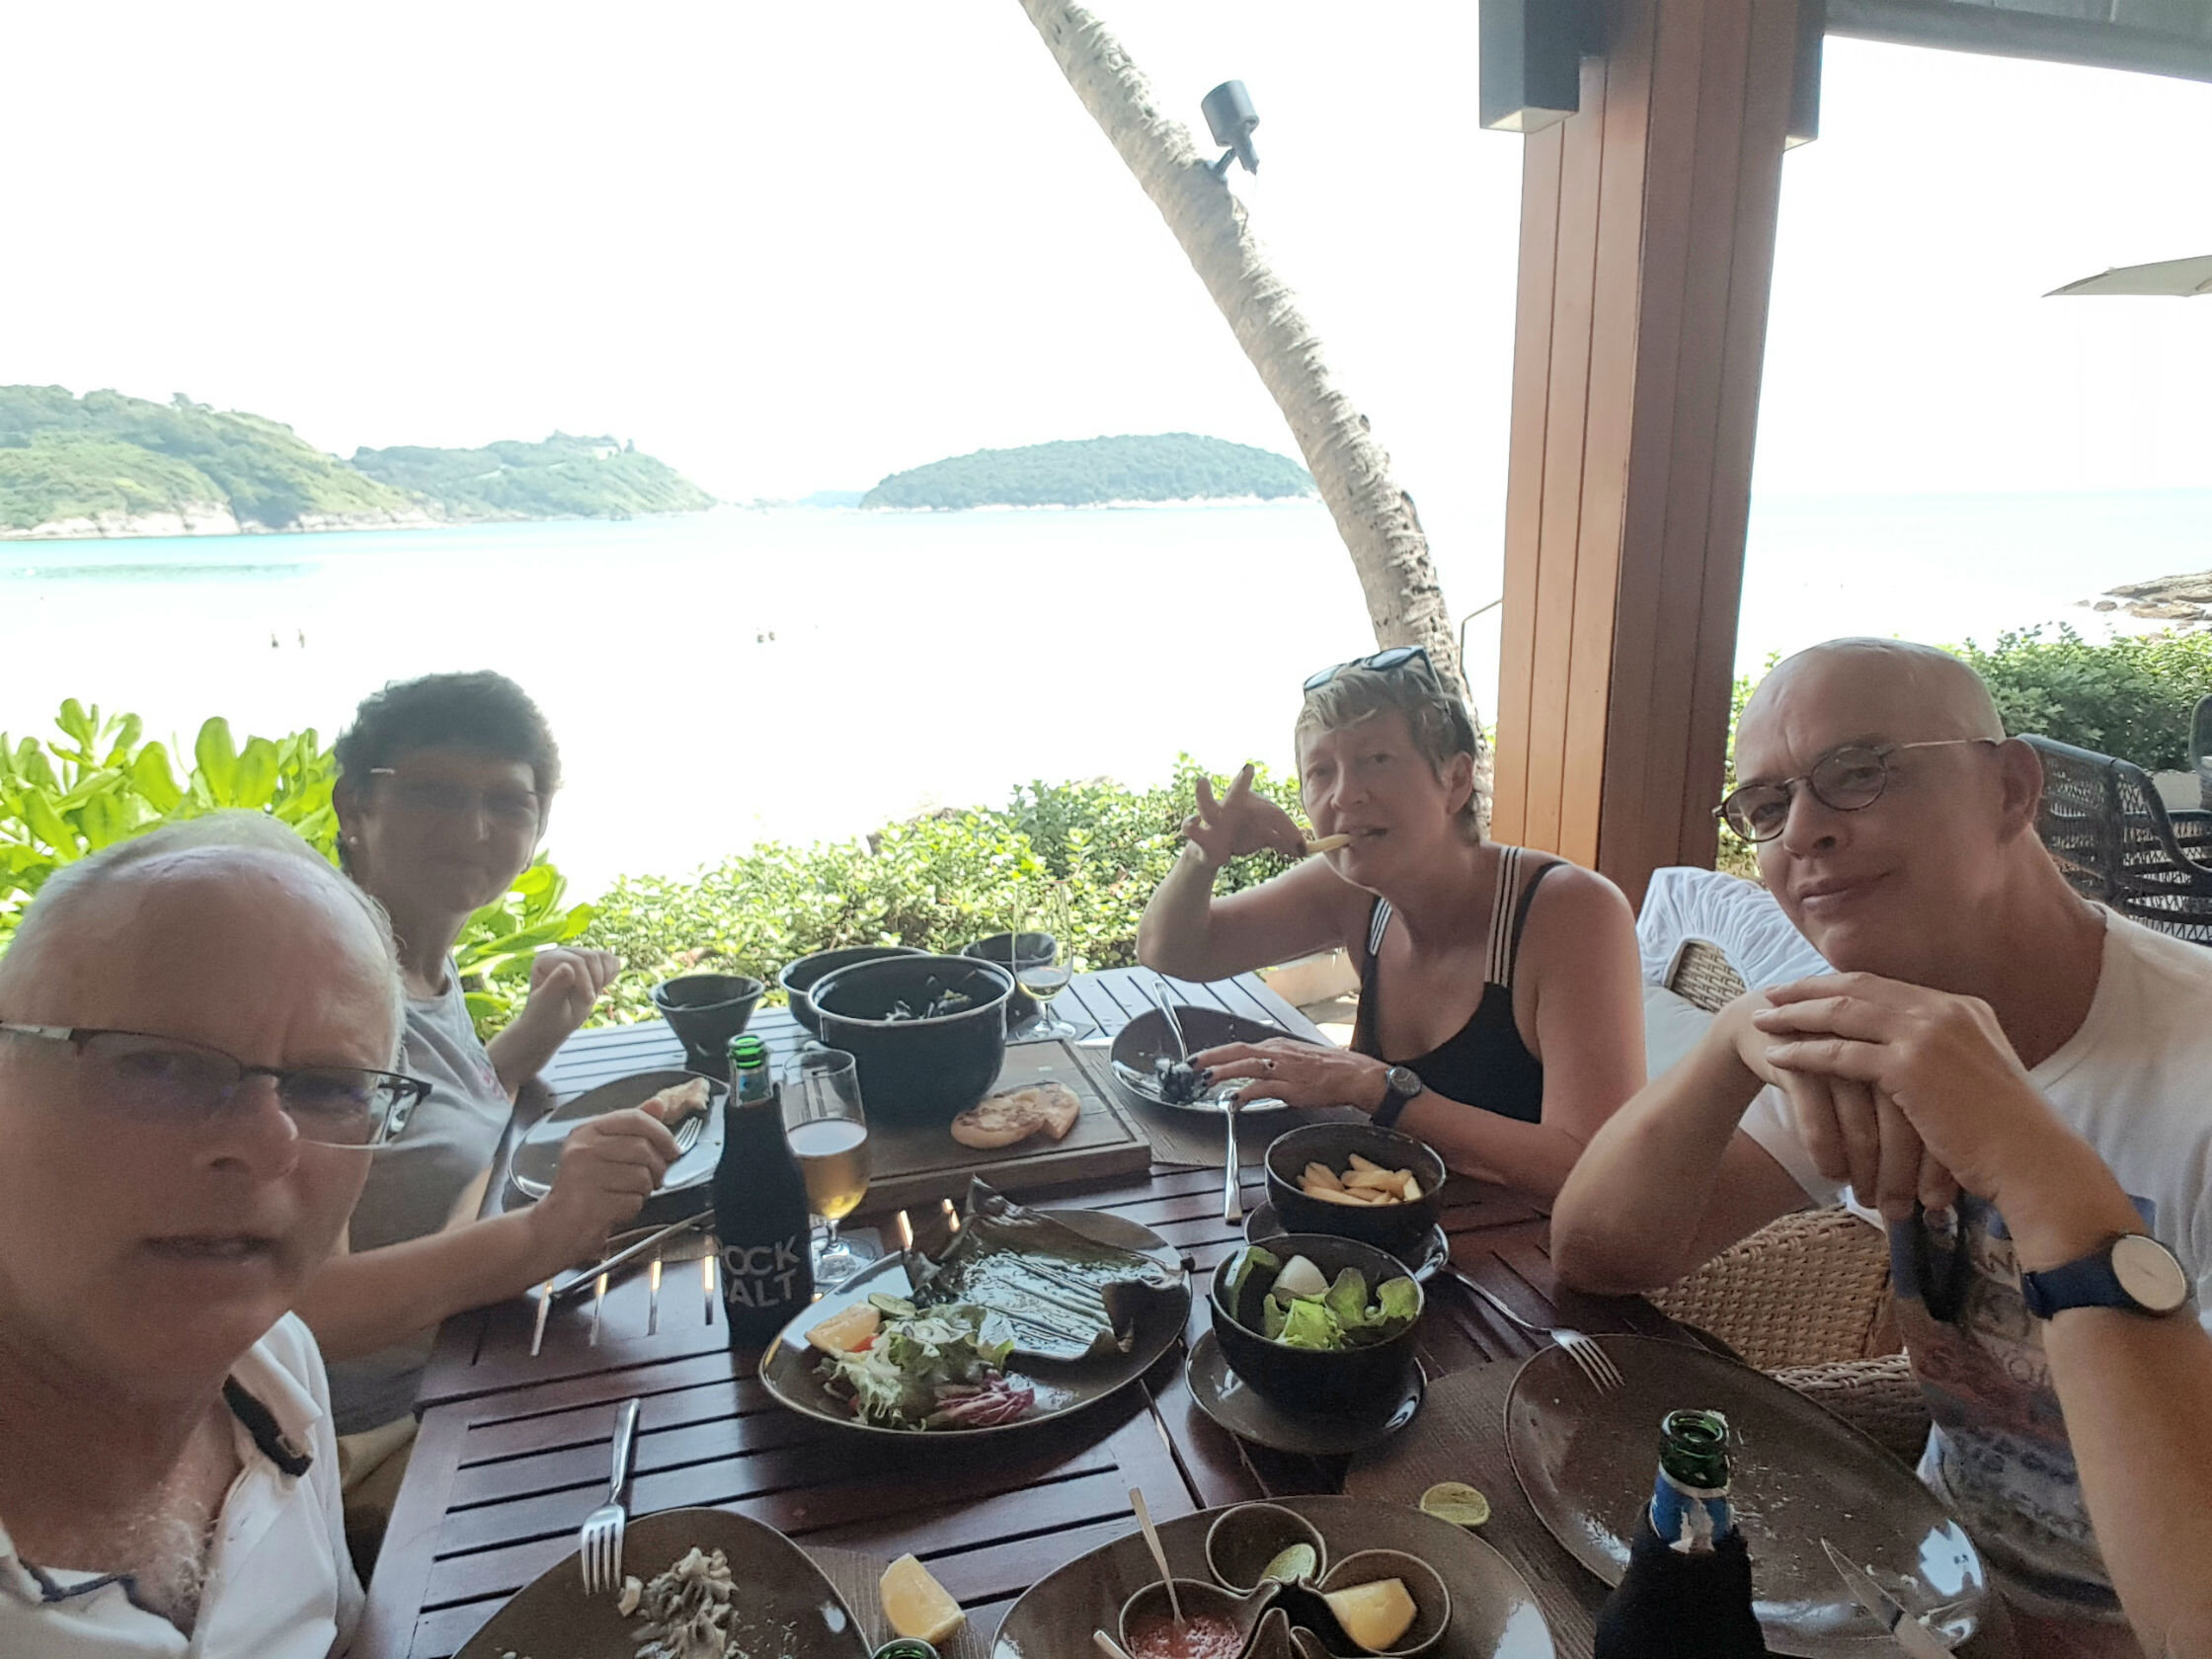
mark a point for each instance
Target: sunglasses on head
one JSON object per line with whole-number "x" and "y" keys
{"x": 1383, "y": 661}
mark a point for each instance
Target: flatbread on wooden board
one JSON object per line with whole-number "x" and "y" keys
{"x": 1003, "y": 1120}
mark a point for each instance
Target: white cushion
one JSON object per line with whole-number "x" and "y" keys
{"x": 1672, "y": 1027}
{"x": 1740, "y": 916}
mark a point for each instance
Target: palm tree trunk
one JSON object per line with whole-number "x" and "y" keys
{"x": 1376, "y": 518}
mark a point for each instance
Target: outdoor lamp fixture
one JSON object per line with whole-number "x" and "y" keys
{"x": 1231, "y": 118}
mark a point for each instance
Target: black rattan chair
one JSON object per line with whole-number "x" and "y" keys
{"x": 2115, "y": 841}
{"x": 2200, "y": 750}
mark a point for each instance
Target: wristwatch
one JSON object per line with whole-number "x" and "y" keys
{"x": 2132, "y": 1271}
{"x": 1400, "y": 1086}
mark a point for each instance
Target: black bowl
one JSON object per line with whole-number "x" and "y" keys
{"x": 1403, "y": 1229}
{"x": 799, "y": 977}
{"x": 1306, "y": 1380}
{"x": 706, "y": 1010}
{"x": 1038, "y": 950}
{"x": 917, "y": 1070}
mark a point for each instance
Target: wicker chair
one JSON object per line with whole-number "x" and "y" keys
{"x": 2200, "y": 750}
{"x": 2115, "y": 841}
{"x": 1805, "y": 1298}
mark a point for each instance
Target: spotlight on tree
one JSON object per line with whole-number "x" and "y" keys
{"x": 1231, "y": 118}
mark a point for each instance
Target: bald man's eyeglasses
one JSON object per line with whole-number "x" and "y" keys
{"x": 1847, "y": 779}
{"x": 163, "y": 1081}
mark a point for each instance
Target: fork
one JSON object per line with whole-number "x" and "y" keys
{"x": 687, "y": 1134}
{"x": 1589, "y": 1357}
{"x": 600, "y": 1547}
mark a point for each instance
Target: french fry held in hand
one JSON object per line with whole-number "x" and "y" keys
{"x": 1364, "y": 1183}
{"x": 1327, "y": 843}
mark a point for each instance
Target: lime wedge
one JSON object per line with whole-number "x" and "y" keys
{"x": 1295, "y": 1564}
{"x": 1457, "y": 1502}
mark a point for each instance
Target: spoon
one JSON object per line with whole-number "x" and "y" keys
{"x": 1232, "y": 1198}
{"x": 1159, "y": 1551}
{"x": 1108, "y": 1645}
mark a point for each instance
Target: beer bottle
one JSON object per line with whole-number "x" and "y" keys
{"x": 760, "y": 1206}
{"x": 1686, "y": 1593}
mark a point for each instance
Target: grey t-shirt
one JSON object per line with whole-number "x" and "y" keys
{"x": 416, "y": 1181}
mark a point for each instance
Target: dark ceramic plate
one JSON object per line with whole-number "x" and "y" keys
{"x": 1249, "y": 1415}
{"x": 1264, "y": 1224}
{"x": 1495, "y": 1612}
{"x": 787, "y": 1369}
{"x": 1147, "y": 1038}
{"x": 529, "y": 1170}
{"x": 786, "y": 1607}
{"x": 1799, "y": 1474}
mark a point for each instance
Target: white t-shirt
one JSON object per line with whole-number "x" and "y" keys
{"x": 280, "y": 1582}
{"x": 2135, "y": 1082}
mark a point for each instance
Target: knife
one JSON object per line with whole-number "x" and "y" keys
{"x": 1903, "y": 1629}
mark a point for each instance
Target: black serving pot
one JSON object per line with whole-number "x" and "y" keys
{"x": 799, "y": 977}
{"x": 1037, "y": 950}
{"x": 1403, "y": 1229}
{"x": 1306, "y": 1380}
{"x": 917, "y": 1070}
{"x": 706, "y": 1010}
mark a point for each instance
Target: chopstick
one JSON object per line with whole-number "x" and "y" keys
{"x": 652, "y": 1298}
{"x": 598, "y": 1306}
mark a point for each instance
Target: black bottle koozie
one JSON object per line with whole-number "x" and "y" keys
{"x": 1675, "y": 1605}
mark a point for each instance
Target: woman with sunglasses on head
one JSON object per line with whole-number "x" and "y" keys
{"x": 1501, "y": 1011}
{"x": 442, "y": 793}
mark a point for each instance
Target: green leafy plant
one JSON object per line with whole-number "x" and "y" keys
{"x": 936, "y": 883}
{"x": 99, "y": 782}
{"x": 2131, "y": 696}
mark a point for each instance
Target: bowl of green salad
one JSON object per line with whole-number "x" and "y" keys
{"x": 1317, "y": 1323}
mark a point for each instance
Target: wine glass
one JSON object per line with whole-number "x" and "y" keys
{"x": 828, "y": 1131}
{"x": 1044, "y": 980}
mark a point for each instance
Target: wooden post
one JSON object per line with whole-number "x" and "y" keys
{"x": 1648, "y": 240}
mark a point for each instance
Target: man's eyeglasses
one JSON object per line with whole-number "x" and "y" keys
{"x": 1847, "y": 779}
{"x": 1383, "y": 661}
{"x": 508, "y": 808}
{"x": 160, "y": 1080}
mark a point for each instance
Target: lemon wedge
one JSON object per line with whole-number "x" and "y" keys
{"x": 1457, "y": 1502}
{"x": 1374, "y": 1615}
{"x": 849, "y": 1331}
{"x": 918, "y": 1605}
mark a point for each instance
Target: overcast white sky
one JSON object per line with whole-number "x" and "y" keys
{"x": 794, "y": 248}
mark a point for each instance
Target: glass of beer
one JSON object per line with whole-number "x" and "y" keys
{"x": 829, "y": 1134}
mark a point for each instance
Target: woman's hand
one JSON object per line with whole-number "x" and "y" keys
{"x": 565, "y": 985}
{"x": 1299, "y": 1074}
{"x": 1240, "y": 822}
{"x": 609, "y": 1166}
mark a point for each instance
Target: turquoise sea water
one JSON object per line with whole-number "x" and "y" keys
{"x": 798, "y": 672}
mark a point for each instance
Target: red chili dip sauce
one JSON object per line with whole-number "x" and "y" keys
{"x": 1203, "y": 1635}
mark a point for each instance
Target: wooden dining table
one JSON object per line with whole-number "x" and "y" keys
{"x": 513, "y": 1448}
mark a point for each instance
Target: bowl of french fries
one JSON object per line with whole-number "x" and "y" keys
{"x": 1356, "y": 1181}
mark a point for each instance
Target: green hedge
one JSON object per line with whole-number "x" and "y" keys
{"x": 936, "y": 883}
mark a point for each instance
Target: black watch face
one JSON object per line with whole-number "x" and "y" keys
{"x": 1403, "y": 1082}
{"x": 2148, "y": 1272}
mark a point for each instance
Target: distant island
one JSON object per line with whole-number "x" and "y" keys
{"x": 1085, "y": 472}
{"x": 108, "y": 465}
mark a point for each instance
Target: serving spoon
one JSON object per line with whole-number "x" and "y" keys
{"x": 1159, "y": 1550}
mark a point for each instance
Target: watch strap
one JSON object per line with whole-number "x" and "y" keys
{"x": 1396, "y": 1097}
{"x": 2084, "y": 1282}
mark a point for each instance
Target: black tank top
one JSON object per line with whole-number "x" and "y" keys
{"x": 1484, "y": 1062}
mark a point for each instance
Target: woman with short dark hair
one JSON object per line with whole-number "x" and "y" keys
{"x": 445, "y": 786}
{"x": 1501, "y": 1008}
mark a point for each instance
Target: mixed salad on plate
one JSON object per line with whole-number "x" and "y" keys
{"x": 897, "y": 1366}
{"x": 1305, "y": 1308}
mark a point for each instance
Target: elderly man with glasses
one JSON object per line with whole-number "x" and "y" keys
{"x": 2016, "y": 1078}
{"x": 196, "y": 1031}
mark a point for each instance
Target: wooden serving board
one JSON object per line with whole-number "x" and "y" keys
{"x": 914, "y": 1166}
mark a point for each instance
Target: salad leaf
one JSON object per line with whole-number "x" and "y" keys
{"x": 1310, "y": 1324}
{"x": 1399, "y": 1303}
{"x": 1347, "y": 1298}
{"x": 1249, "y": 1260}
{"x": 1271, "y": 1319}
{"x": 901, "y": 1379}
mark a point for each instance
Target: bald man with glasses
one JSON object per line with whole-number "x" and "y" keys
{"x": 196, "y": 1035}
{"x": 1987, "y": 1026}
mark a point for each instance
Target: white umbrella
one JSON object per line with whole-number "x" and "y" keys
{"x": 2167, "y": 277}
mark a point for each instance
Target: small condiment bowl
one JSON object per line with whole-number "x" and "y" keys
{"x": 1198, "y": 1597}
{"x": 1242, "y": 1540}
{"x": 1432, "y": 1601}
